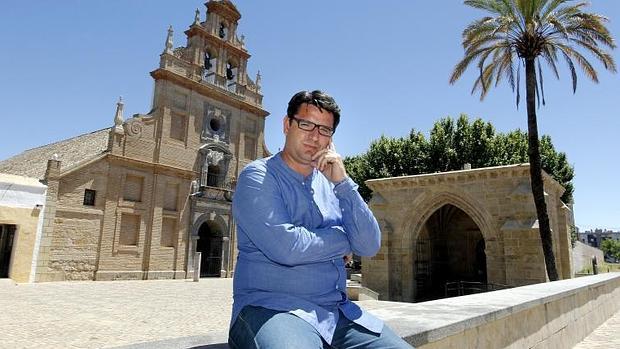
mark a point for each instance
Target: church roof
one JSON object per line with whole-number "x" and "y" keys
{"x": 71, "y": 152}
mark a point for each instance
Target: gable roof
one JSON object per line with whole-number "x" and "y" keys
{"x": 72, "y": 151}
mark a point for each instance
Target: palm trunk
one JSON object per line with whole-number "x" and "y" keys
{"x": 536, "y": 178}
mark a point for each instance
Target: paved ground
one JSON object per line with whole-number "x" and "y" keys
{"x": 141, "y": 314}
{"x": 605, "y": 336}
{"x": 111, "y": 314}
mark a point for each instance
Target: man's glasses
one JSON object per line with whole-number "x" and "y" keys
{"x": 310, "y": 126}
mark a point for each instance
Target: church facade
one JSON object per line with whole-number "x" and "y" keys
{"x": 140, "y": 199}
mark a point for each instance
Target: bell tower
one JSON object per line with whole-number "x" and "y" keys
{"x": 212, "y": 122}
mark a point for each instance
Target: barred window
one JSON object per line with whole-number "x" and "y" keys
{"x": 89, "y": 197}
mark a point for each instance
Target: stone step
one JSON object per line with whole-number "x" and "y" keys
{"x": 357, "y": 292}
{"x": 356, "y": 277}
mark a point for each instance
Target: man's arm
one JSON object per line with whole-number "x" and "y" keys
{"x": 358, "y": 221}
{"x": 259, "y": 211}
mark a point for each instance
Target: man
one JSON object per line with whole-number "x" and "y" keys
{"x": 297, "y": 215}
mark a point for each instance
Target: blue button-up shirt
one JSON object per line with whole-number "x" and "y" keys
{"x": 292, "y": 234}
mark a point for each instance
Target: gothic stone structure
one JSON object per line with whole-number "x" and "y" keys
{"x": 477, "y": 226}
{"x": 137, "y": 200}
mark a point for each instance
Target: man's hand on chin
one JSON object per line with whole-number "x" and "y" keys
{"x": 330, "y": 163}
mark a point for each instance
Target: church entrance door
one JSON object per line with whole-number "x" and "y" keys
{"x": 210, "y": 245}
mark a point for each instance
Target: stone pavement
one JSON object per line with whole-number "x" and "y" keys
{"x": 172, "y": 313}
{"x": 605, "y": 336}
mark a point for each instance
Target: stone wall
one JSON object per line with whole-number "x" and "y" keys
{"x": 499, "y": 202}
{"x": 548, "y": 315}
{"x": 26, "y": 220}
{"x": 582, "y": 256}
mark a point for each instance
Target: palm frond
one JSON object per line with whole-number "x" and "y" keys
{"x": 571, "y": 67}
{"x": 533, "y": 30}
{"x": 585, "y": 65}
{"x": 550, "y": 56}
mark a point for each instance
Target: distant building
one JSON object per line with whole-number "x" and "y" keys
{"x": 595, "y": 237}
{"x": 139, "y": 199}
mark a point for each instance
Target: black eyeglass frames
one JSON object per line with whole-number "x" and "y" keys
{"x": 310, "y": 126}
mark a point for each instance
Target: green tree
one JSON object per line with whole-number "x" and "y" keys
{"x": 524, "y": 32}
{"x": 452, "y": 145}
{"x": 611, "y": 248}
{"x": 388, "y": 157}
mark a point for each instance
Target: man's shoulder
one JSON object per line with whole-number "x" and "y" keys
{"x": 258, "y": 166}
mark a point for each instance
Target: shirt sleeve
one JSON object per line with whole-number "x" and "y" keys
{"x": 259, "y": 210}
{"x": 358, "y": 221}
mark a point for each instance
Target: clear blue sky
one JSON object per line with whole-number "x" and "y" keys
{"x": 64, "y": 64}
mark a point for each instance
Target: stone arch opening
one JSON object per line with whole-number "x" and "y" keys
{"x": 210, "y": 63}
{"x": 211, "y": 245}
{"x": 450, "y": 255}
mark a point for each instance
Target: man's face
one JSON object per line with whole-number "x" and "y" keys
{"x": 300, "y": 144}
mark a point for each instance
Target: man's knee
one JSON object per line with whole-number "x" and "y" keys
{"x": 258, "y": 327}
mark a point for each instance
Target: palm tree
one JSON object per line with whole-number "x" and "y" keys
{"x": 521, "y": 33}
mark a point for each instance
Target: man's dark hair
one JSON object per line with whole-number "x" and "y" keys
{"x": 317, "y": 98}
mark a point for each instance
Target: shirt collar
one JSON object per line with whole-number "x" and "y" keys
{"x": 290, "y": 171}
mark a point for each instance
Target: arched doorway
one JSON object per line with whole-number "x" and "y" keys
{"x": 210, "y": 244}
{"x": 450, "y": 256}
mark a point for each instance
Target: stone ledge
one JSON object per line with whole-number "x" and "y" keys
{"x": 448, "y": 322}
{"x": 427, "y": 322}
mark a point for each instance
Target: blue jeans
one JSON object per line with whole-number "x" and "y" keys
{"x": 258, "y": 327}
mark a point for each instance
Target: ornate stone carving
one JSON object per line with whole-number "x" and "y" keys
{"x": 169, "y": 44}
{"x": 214, "y": 157}
{"x": 134, "y": 127}
{"x": 118, "y": 118}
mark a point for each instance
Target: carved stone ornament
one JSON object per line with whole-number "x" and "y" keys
{"x": 214, "y": 157}
{"x": 134, "y": 127}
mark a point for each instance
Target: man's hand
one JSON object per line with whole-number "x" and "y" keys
{"x": 330, "y": 164}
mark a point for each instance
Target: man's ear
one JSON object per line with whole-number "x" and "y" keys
{"x": 286, "y": 124}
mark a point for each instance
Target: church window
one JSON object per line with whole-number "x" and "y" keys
{"x": 213, "y": 176}
{"x": 208, "y": 64}
{"x": 231, "y": 71}
{"x": 89, "y": 197}
{"x": 215, "y": 124}
{"x": 223, "y": 32}
{"x": 133, "y": 188}
{"x": 130, "y": 226}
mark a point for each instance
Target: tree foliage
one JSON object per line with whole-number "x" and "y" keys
{"x": 611, "y": 248}
{"x": 450, "y": 145}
